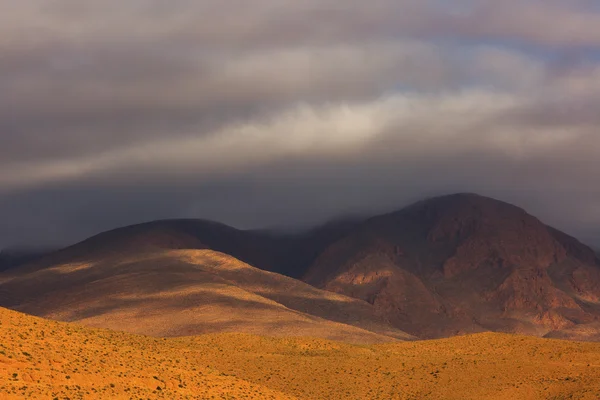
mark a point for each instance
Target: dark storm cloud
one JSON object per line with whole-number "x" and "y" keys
{"x": 274, "y": 113}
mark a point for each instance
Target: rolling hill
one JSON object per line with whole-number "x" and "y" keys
{"x": 41, "y": 359}
{"x": 159, "y": 292}
{"x": 285, "y": 253}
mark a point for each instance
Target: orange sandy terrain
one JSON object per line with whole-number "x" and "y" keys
{"x": 46, "y": 359}
{"x": 49, "y": 360}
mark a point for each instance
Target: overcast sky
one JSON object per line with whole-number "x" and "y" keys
{"x": 282, "y": 112}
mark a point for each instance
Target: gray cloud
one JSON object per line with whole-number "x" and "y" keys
{"x": 278, "y": 113}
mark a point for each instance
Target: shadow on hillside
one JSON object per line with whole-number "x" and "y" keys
{"x": 161, "y": 285}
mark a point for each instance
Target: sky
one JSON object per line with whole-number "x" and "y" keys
{"x": 284, "y": 113}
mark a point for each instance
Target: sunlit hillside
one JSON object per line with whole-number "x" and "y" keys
{"x": 50, "y": 360}
{"x": 42, "y": 359}
{"x": 167, "y": 293}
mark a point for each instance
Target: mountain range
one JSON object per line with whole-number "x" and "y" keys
{"x": 442, "y": 267}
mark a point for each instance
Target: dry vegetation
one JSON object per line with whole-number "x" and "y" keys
{"x": 53, "y": 360}
{"x": 46, "y": 359}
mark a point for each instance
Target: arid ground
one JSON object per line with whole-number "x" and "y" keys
{"x": 41, "y": 359}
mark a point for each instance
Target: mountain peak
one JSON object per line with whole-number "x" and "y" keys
{"x": 468, "y": 203}
{"x": 463, "y": 263}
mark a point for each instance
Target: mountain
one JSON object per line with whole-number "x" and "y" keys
{"x": 141, "y": 288}
{"x": 42, "y": 359}
{"x": 461, "y": 264}
{"x": 444, "y": 266}
{"x": 285, "y": 253}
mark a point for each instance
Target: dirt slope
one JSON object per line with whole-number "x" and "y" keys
{"x": 42, "y": 359}
{"x": 188, "y": 292}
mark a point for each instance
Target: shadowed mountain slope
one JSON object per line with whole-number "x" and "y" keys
{"x": 285, "y": 253}
{"x": 464, "y": 263}
{"x": 187, "y": 292}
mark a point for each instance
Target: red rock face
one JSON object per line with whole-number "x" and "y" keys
{"x": 584, "y": 280}
{"x": 464, "y": 263}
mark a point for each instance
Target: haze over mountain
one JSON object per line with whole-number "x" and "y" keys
{"x": 15, "y": 256}
{"x": 444, "y": 266}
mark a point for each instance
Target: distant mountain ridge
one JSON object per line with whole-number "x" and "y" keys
{"x": 443, "y": 266}
{"x": 13, "y": 257}
{"x": 285, "y": 253}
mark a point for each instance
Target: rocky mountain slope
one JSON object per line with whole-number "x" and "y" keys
{"x": 465, "y": 263}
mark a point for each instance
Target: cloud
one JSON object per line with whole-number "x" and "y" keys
{"x": 327, "y": 130}
{"x": 113, "y": 113}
